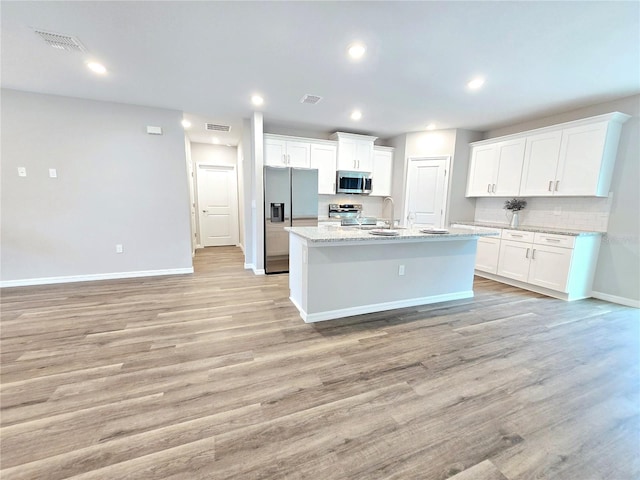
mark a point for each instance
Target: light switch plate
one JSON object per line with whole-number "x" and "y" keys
{"x": 119, "y": 248}
{"x": 53, "y": 173}
{"x": 22, "y": 172}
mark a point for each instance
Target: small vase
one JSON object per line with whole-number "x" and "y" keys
{"x": 515, "y": 220}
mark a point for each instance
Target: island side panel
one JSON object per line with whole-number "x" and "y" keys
{"x": 354, "y": 279}
{"x": 298, "y": 273}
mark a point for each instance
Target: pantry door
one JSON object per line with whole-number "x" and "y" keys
{"x": 217, "y": 205}
{"x": 425, "y": 202}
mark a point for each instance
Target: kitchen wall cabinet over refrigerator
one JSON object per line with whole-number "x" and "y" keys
{"x": 285, "y": 152}
{"x": 355, "y": 152}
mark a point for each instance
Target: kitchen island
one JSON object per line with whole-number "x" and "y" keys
{"x": 340, "y": 272}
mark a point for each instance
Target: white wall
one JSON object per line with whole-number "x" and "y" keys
{"x": 618, "y": 272}
{"x": 116, "y": 185}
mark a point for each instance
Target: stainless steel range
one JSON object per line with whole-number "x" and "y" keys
{"x": 348, "y": 213}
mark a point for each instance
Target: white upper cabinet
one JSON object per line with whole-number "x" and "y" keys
{"x": 495, "y": 169}
{"x": 540, "y": 162}
{"x": 323, "y": 157}
{"x": 285, "y": 152}
{"x": 571, "y": 159}
{"x": 355, "y": 152}
{"x": 382, "y": 171}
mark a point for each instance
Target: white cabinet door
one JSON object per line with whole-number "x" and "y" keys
{"x": 487, "y": 255}
{"x": 482, "y": 170}
{"x": 280, "y": 152}
{"x": 550, "y": 267}
{"x": 275, "y": 152}
{"x": 323, "y": 157}
{"x": 580, "y": 160}
{"x": 355, "y": 155}
{"x": 510, "y": 159}
{"x": 540, "y": 163}
{"x": 364, "y": 156}
{"x": 298, "y": 154}
{"x": 381, "y": 173}
{"x": 513, "y": 260}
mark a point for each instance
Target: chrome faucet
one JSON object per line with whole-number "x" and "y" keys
{"x": 392, "y": 207}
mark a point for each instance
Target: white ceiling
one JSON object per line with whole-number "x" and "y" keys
{"x": 207, "y": 59}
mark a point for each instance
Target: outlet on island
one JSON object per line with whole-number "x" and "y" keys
{"x": 119, "y": 248}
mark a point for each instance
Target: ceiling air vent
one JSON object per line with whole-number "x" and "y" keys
{"x": 312, "y": 99}
{"x": 61, "y": 41}
{"x": 217, "y": 128}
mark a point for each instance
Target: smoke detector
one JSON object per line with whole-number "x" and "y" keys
{"x": 311, "y": 99}
{"x": 60, "y": 41}
{"x": 217, "y": 128}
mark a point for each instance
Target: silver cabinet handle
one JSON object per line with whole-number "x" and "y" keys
{"x": 552, "y": 240}
{"x": 488, "y": 188}
{"x": 533, "y": 254}
{"x": 526, "y": 255}
{"x": 493, "y": 190}
{"x": 550, "y": 185}
{"x": 516, "y": 235}
{"x": 288, "y": 159}
{"x": 284, "y": 159}
{"x": 557, "y": 183}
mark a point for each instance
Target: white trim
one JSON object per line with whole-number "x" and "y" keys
{"x": 94, "y": 277}
{"x": 249, "y": 266}
{"x": 379, "y": 307}
{"x": 529, "y": 286}
{"x": 258, "y": 271}
{"x": 628, "y": 302}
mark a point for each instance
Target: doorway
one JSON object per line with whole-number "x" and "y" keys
{"x": 217, "y": 205}
{"x": 427, "y": 187}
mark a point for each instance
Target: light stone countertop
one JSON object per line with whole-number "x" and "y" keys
{"x": 329, "y": 234}
{"x": 530, "y": 228}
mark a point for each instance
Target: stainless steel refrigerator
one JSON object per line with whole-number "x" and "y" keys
{"x": 290, "y": 199}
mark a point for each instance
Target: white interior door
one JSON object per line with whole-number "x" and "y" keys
{"x": 217, "y": 205}
{"x": 426, "y": 192}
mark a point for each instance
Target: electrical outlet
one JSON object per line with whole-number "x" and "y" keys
{"x": 119, "y": 248}
{"x": 53, "y": 173}
{"x": 22, "y": 172}
{"x": 400, "y": 270}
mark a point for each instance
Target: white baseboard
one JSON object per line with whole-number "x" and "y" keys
{"x": 249, "y": 266}
{"x": 627, "y": 302}
{"x": 258, "y": 271}
{"x": 93, "y": 277}
{"x": 379, "y": 307}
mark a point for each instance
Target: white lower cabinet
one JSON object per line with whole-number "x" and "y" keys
{"x": 550, "y": 267}
{"x": 562, "y": 266}
{"x": 487, "y": 256}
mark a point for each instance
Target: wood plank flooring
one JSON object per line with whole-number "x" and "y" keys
{"x": 214, "y": 376}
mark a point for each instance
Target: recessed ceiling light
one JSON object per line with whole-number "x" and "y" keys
{"x": 356, "y": 50}
{"x": 257, "y": 100}
{"x": 476, "y": 83}
{"x": 431, "y": 126}
{"x": 97, "y": 68}
{"x": 356, "y": 115}
{"x": 186, "y": 123}
{"x": 215, "y": 140}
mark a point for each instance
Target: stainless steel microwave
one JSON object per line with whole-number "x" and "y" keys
{"x": 353, "y": 182}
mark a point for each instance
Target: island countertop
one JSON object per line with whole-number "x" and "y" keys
{"x": 328, "y": 234}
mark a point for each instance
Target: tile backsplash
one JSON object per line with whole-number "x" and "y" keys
{"x": 575, "y": 213}
{"x": 371, "y": 206}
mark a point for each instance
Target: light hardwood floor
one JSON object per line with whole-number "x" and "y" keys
{"x": 214, "y": 376}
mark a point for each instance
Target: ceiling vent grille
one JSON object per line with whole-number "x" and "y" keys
{"x": 61, "y": 41}
{"x": 217, "y": 128}
{"x": 311, "y": 99}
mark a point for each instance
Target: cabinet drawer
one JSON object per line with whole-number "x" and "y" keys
{"x": 566, "y": 241}
{"x": 517, "y": 236}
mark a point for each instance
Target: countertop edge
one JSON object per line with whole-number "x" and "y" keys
{"x": 535, "y": 229}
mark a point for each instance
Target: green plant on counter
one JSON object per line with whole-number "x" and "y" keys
{"x": 515, "y": 204}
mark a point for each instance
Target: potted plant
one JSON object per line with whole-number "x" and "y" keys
{"x": 514, "y": 206}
